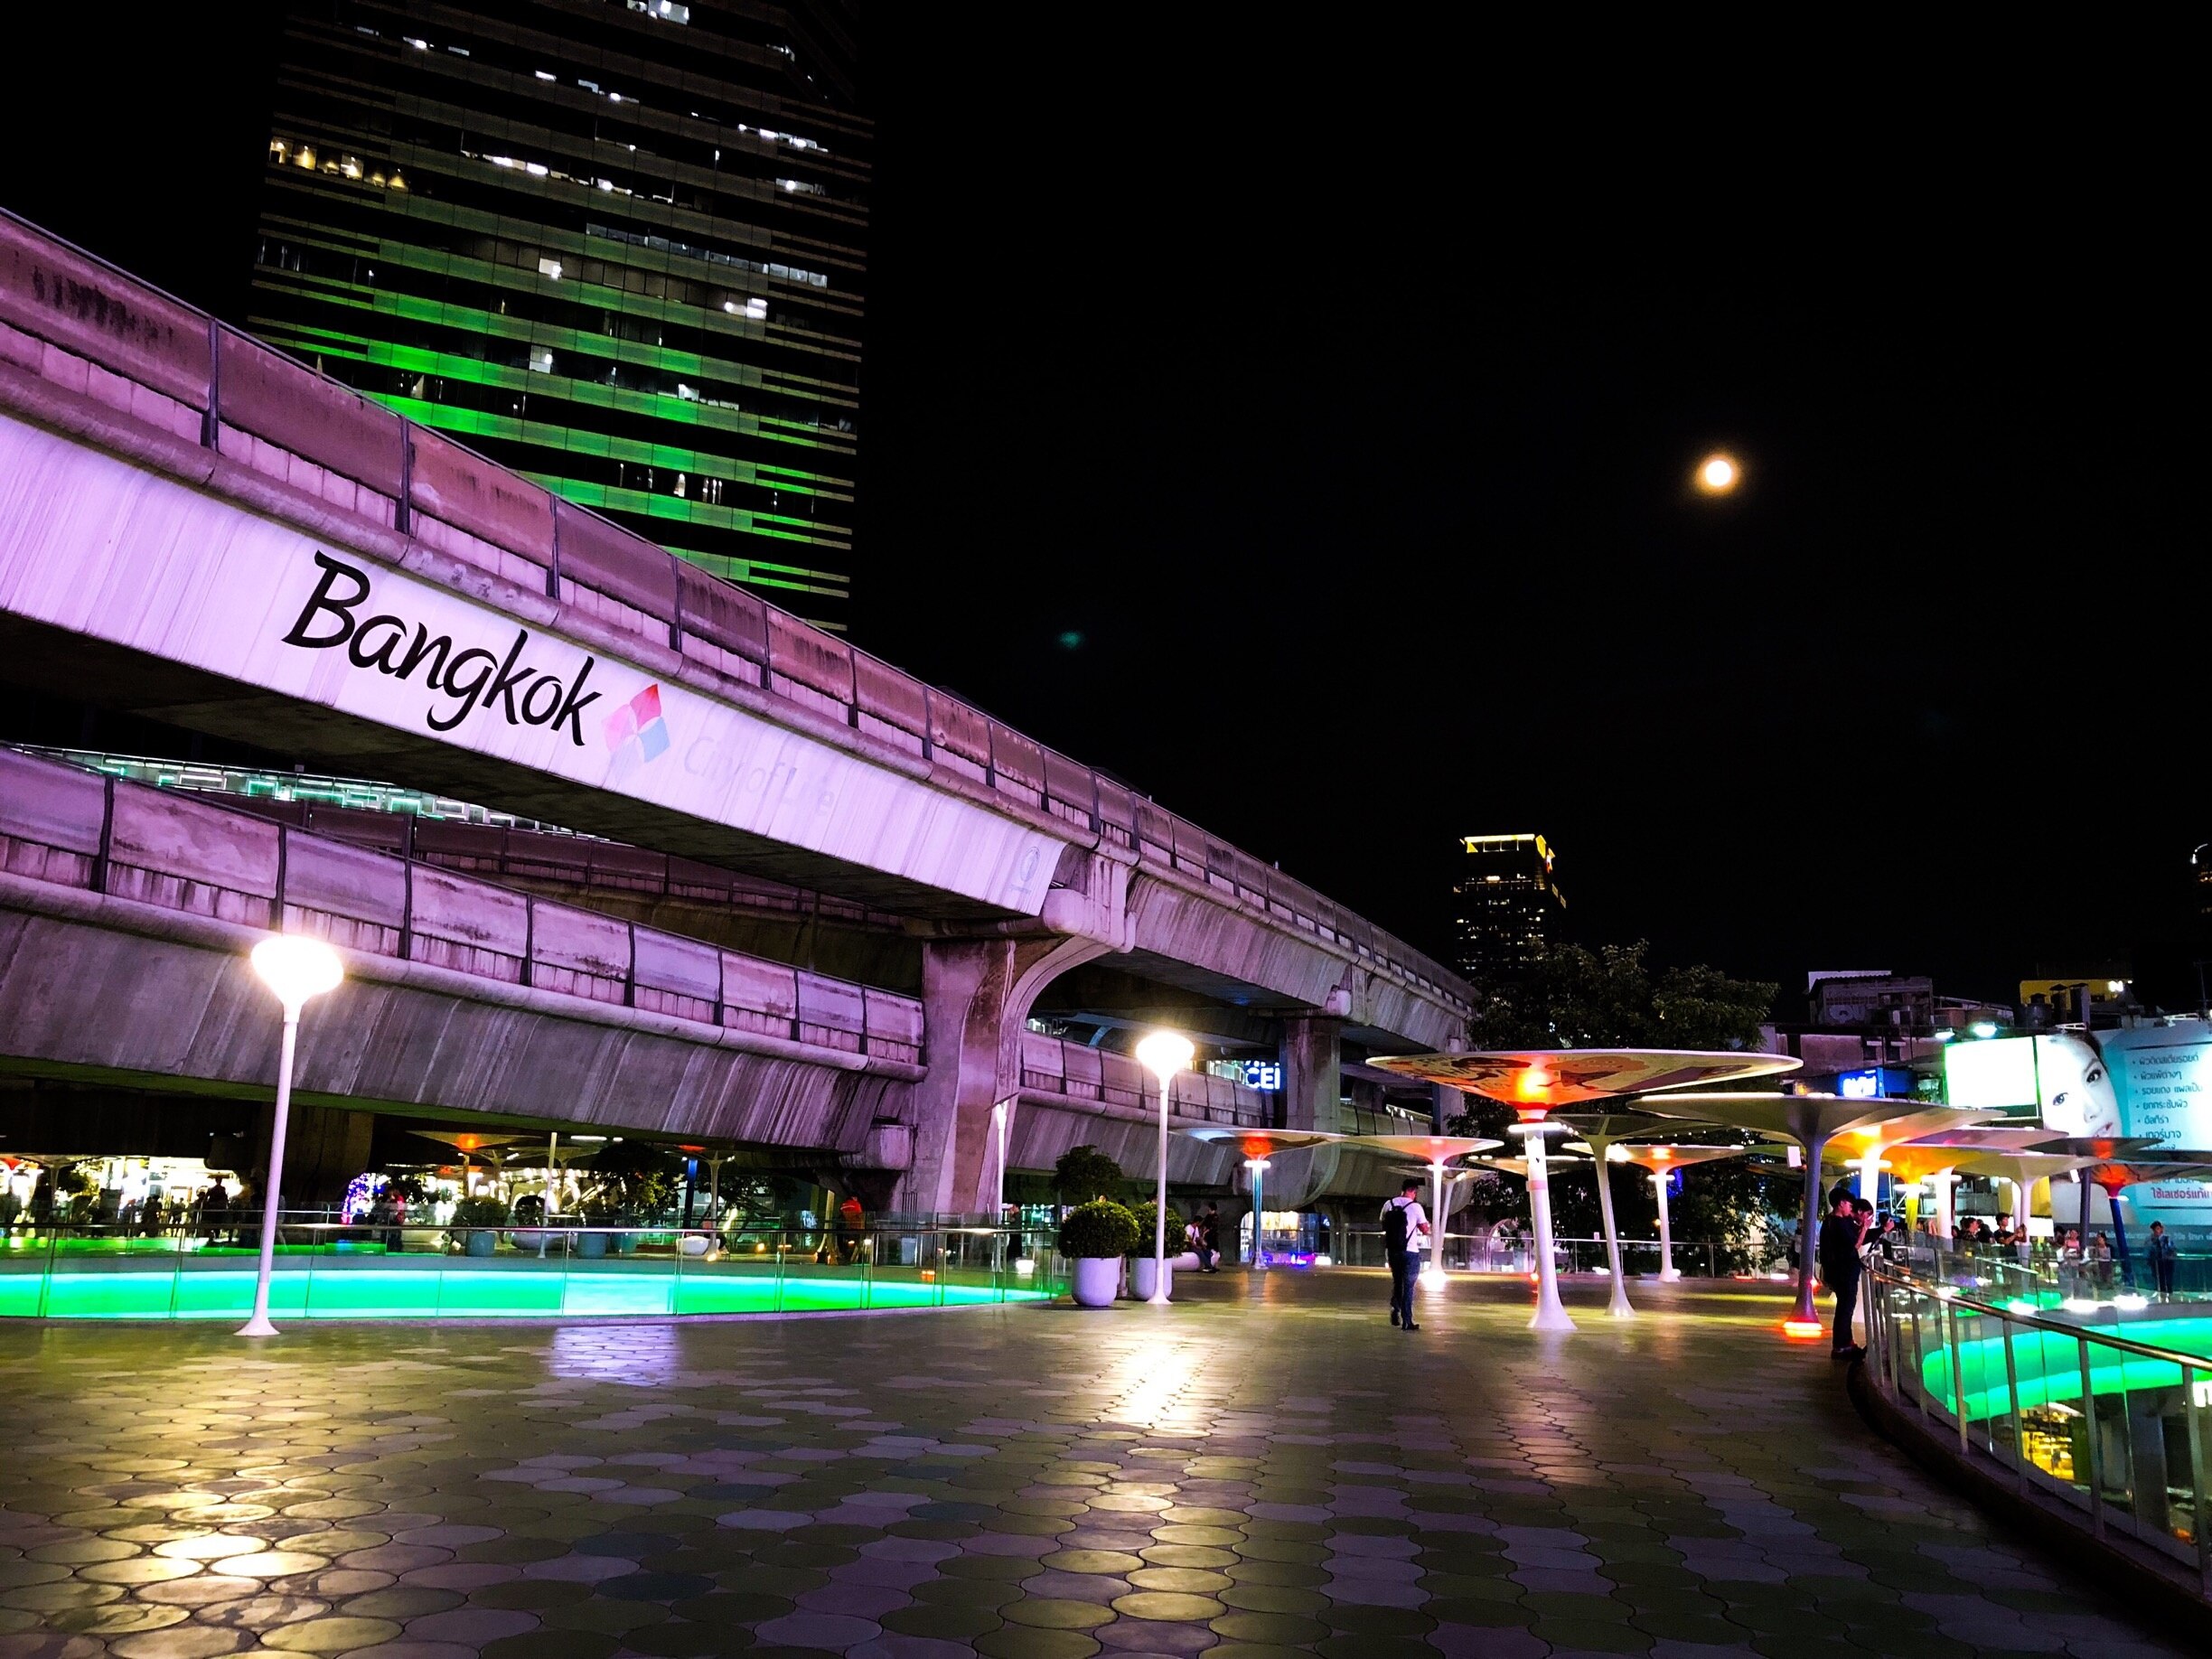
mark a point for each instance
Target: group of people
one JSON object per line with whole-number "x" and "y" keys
{"x": 1202, "y": 1237}
{"x": 1852, "y": 1233}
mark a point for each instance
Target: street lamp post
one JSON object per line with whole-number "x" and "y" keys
{"x": 1164, "y": 1053}
{"x": 295, "y": 967}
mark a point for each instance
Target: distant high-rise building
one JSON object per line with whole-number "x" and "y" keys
{"x": 1506, "y": 905}
{"x": 617, "y": 245}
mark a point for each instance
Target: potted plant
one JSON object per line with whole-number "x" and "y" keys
{"x": 1145, "y": 1216}
{"x": 1085, "y": 1173}
{"x": 1095, "y": 1236}
{"x": 475, "y": 1224}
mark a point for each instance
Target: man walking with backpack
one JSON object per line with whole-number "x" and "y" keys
{"x": 1403, "y": 1223}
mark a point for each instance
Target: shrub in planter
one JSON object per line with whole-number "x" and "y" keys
{"x": 1146, "y": 1217}
{"x": 1085, "y": 1173}
{"x": 1098, "y": 1229}
{"x": 475, "y": 1224}
{"x": 1097, "y": 1235}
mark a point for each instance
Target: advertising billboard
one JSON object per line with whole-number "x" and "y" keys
{"x": 2152, "y": 1080}
{"x": 1996, "y": 1076}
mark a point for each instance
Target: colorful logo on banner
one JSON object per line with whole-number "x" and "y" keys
{"x": 635, "y": 732}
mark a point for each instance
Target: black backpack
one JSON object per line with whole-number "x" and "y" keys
{"x": 1394, "y": 1225}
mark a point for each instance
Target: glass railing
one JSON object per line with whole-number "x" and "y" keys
{"x": 2113, "y": 1420}
{"x": 326, "y": 1269}
{"x": 1480, "y": 1252}
{"x": 2042, "y": 1273}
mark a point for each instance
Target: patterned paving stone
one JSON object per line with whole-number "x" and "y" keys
{"x": 1025, "y": 1484}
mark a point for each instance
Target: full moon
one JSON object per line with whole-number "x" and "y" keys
{"x": 1717, "y": 475}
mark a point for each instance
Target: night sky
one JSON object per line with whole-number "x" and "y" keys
{"x": 1302, "y": 429}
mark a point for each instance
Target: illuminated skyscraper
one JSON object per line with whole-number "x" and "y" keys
{"x": 615, "y": 246}
{"x": 1506, "y": 905}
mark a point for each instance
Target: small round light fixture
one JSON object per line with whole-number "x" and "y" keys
{"x": 298, "y": 966}
{"x": 1165, "y": 1054}
{"x": 1719, "y": 474}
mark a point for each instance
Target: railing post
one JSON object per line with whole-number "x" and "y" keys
{"x": 2012, "y": 1399}
{"x": 553, "y": 577}
{"x": 630, "y": 979}
{"x": 676, "y": 606}
{"x": 403, "y": 510}
{"x": 529, "y": 936}
{"x": 276, "y": 903}
{"x": 211, "y": 422}
{"x": 407, "y": 900}
{"x": 1958, "y": 1374}
{"x": 107, "y": 834}
{"x": 2091, "y": 1435}
{"x": 2193, "y": 1410}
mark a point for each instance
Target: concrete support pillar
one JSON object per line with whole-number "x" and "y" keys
{"x": 1446, "y": 1103}
{"x": 1313, "y": 1071}
{"x": 976, "y": 998}
{"x": 325, "y": 1147}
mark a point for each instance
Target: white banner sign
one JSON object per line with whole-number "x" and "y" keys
{"x": 93, "y": 545}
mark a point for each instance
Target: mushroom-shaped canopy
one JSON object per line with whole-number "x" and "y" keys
{"x": 2116, "y": 1175}
{"x": 1928, "y": 1121}
{"x": 1803, "y": 1118}
{"x": 1672, "y": 1156}
{"x": 1519, "y": 1166}
{"x": 1995, "y": 1138}
{"x": 1602, "y": 1129}
{"x": 1535, "y": 1081}
{"x": 468, "y": 1140}
{"x": 1431, "y": 1150}
{"x": 1261, "y": 1142}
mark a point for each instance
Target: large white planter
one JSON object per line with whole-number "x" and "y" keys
{"x": 1097, "y": 1278}
{"x": 1141, "y": 1277}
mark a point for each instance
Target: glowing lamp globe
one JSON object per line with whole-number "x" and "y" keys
{"x": 295, "y": 967}
{"x": 1719, "y": 473}
{"x": 1165, "y": 1054}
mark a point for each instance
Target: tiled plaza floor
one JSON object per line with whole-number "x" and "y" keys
{"x": 1267, "y": 1469}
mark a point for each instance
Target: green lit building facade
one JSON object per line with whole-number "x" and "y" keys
{"x": 615, "y": 244}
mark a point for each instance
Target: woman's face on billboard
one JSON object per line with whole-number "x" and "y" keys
{"x": 2078, "y": 1091}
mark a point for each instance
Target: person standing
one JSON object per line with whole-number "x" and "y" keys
{"x": 1840, "y": 1235}
{"x": 1403, "y": 1223}
{"x": 1209, "y": 1228}
{"x": 2162, "y": 1261}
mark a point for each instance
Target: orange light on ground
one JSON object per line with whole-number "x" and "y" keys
{"x": 1801, "y": 1330}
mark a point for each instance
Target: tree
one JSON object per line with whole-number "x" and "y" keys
{"x": 637, "y": 1180}
{"x": 1085, "y": 1173}
{"x": 1576, "y": 998}
{"x": 1610, "y": 998}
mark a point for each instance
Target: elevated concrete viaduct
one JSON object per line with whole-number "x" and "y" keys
{"x": 196, "y": 529}
{"x": 126, "y": 913}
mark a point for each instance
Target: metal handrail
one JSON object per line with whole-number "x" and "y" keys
{"x": 1954, "y": 1296}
